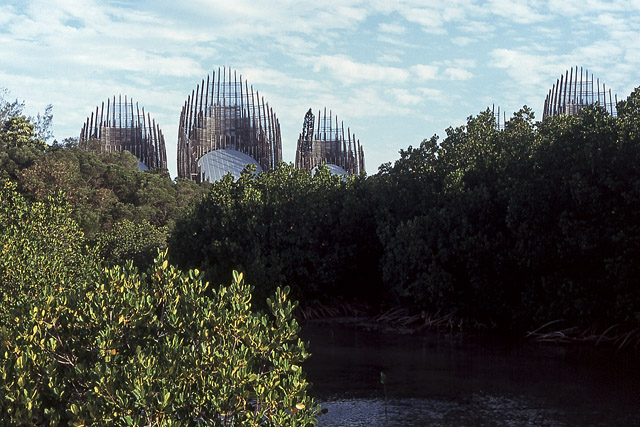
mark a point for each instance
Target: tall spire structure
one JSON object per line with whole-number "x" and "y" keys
{"x": 225, "y": 125}
{"x": 325, "y": 142}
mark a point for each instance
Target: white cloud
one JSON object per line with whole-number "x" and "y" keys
{"x": 458, "y": 73}
{"x": 436, "y": 95}
{"x": 393, "y": 40}
{"x": 393, "y": 28}
{"x": 388, "y": 57}
{"x": 576, "y": 8}
{"x": 526, "y": 69}
{"x": 520, "y": 11}
{"x": 405, "y": 97}
{"x": 479, "y": 28}
{"x": 430, "y": 21}
{"x": 349, "y": 72}
{"x": 463, "y": 41}
{"x": 271, "y": 77}
{"x": 425, "y": 72}
{"x": 139, "y": 61}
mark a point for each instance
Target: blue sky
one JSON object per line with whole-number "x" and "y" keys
{"x": 395, "y": 72}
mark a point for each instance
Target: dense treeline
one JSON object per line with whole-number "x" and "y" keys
{"x": 126, "y": 213}
{"x": 317, "y": 234}
{"x": 513, "y": 227}
{"x": 522, "y": 226}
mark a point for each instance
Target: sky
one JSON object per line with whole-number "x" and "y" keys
{"x": 394, "y": 72}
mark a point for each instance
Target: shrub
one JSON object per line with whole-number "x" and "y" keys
{"x": 81, "y": 346}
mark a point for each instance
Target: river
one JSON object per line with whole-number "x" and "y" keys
{"x": 466, "y": 380}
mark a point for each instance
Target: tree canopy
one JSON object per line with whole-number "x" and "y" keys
{"x": 80, "y": 344}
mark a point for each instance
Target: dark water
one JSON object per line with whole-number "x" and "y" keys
{"x": 461, "y": 380}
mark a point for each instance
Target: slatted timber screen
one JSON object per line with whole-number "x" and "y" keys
{"x": 325, "y": 141}
{"x": 122, "y": 125}
{"x": 575, "y": 90}
{"x": 224, "y": 112}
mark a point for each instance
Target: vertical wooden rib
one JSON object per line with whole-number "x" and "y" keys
{"x": 248, "y": 120}
{"x": 106, "y": 122}
{"x": 270, "y": 138}
{"x": 344, "y": 146}
{"x": 207, "y": 108}
{"x": 564, "y": 94}
{"x": 592, "y": 101}
{"x": 136, "y": 141}
{"x": 91, "y": 126}
{"x": 218, "y": 120}
{"x": 253, "y": 126}
{"x": 190, "y": 129}
{"x": 555, "y": 97}
{"x": 202, "y": 108}
{"x": 581, "y": 86}
{"x": 263, "y": 131}
{"x": 101, "y": 118}
{"x": 570, "y": 84}
{"x": 279, "y": 139}
{"x": 140, "y": 125}
{"x": 96, "y": 122}
{"x": 195, "y": 117}
{"x": 575, "y": 89}
{"x": 235, "y": 124}
{"x": 545, "y": 109}
{"x": 154, "y": 146}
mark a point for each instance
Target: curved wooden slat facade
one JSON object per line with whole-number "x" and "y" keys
{"x": 326, "y": 142}
{"x": 225, "y": 113}
{"x": 575, "y": 90}
{"x": 123, "y": 125}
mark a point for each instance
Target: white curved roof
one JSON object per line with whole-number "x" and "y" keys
{"x": 217, "y": 163}
{"x": 334, "y": 169}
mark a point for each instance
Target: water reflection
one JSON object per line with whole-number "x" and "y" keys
{"x": 437, "y": 379}
{"x": 479, "y": 409}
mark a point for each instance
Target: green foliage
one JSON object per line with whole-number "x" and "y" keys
{"x": 19, "y": 147}
{"x": 514, "y": 227}
{"x": 9, "y": 108}
{"x": 105, "y": 189}
{"x": 315, "y": 233}
{"x": 519, "y": 226}
{"x": 17, "y": 131}
{"x": 41, "y": 124}
{"x": 81, "y": 346}
{"x": 40, "y": 244}
{"x": 138, "y": 242}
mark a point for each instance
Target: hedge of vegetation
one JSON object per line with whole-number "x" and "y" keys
{"x": 82, "y": 344}
{"x": 513, "y": 227}
{"x": 317, "y": 234}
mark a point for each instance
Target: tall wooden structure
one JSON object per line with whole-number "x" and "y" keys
{"x": 575, "y": 90}
{"x": 121, "y": 126}
{"x": 499, "y": 124}
{"x": 225, "y": 114}
{"x": 325, "y": 142}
